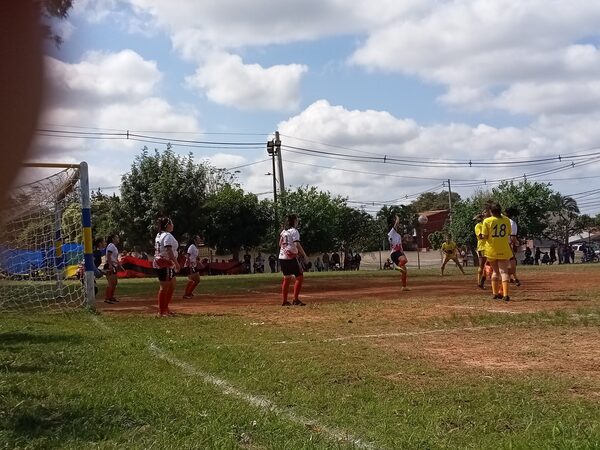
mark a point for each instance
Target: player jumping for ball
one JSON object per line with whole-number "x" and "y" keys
{"x": 397, "y": 252}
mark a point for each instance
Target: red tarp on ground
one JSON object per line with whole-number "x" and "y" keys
{"x": 140, "y": 268}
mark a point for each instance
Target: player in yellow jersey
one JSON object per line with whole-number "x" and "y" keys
{"x": 480, "y": 251}
{"x": 450, "y": 252}
{"x": 496, "y": 232}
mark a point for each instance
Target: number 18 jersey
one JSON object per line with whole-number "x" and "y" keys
{"x": 496, "y": 233}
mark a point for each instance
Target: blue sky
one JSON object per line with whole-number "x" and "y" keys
{"x": 453, "y": 80}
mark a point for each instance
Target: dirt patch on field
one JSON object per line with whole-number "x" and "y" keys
{"x": 493, "y": 352}
{"x": 429, "y": 297}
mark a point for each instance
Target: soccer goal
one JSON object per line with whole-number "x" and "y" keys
{"x": 46, "y": 239}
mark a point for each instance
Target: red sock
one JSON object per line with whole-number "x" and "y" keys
{"x": 170, "y": 293}
{"x": 297, "y": 286}
{"x": 284, "y": 288}
{"x": 109, "y": 292}
{"x": 403, "y": 279}
{"x": 190, "y": 287}
{"x": 162, "y": 301}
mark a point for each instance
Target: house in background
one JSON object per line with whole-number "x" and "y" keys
{"x": 435, "y": 222}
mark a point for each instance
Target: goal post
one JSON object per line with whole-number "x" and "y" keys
{"x": 46, "y": 254}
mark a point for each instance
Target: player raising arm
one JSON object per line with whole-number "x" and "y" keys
{"x": 397, "y": 251}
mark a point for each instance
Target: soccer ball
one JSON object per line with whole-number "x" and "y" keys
{"x": 423, "y": 220}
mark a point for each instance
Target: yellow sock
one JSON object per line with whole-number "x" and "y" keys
{"x": 494, "y": 286}
{"x": 505, "y": 288}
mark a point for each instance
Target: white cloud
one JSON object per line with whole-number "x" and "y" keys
{"x": 226, "y": 160}
{"x": 228, "y": 81}
{"x": 482, "y": 48}
{"x": 108, "y": 91}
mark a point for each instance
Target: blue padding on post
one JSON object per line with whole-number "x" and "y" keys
{"x": 86, "y": 217}
{"x": 89, "y": 263}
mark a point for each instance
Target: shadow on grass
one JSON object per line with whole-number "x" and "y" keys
{"x": 17, "y": 338}
{"x": 63, "y": 423}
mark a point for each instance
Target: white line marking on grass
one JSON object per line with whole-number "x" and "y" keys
{"x": 502, "y": 311}
{"x": 260, "y": 402}
{"x": 100, "y": 324}
{"x": 383, "y": 335}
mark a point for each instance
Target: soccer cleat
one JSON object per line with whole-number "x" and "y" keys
{"x": 286, "y": 303}
{"x": 404, "y": 288}
{"x": 188, "y": 296}
{"x": 114, "y": 300}
{"x": 506, "y": 298}
{"x": 297, "y": 302}
{"x": 399, "y": 268}
{"x": 517, "y": 282}
{"x": 109, "y": 301}
{"x": 497, "y": 297}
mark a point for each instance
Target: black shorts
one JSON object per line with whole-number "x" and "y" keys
{"x": 290, "y": 267}
{"x": 395, "y": 257}
{"x": 165, "y": 274}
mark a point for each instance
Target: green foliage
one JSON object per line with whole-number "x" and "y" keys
{"x": 563, "y": 221}
{"x": 165, "y": 184}
{"x": 462, "y": 227}
{"x": 408, "y": 222}
{"x": 107, "y": 217}
{"x": 433, "y": 201}
{"x": 532, "y": 200}
{"x": 53, "y": 9}
{"x": 358, "y": 230}
{"x": 236, "y": 219}
{"x": 320, "y": 218}
{"x": 436, "y": 239}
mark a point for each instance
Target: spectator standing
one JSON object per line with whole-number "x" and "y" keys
{"x": 357, "y": 260}
{"x": 272, "y": 262}
{"x": 538, "y": 255}
{"x": 259, "y": 264}
{"x": 319, "y": 264}
{"x": 552, "y": 254}
{"x": 326, "y": 261}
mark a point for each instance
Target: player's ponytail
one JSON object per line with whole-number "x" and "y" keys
{"x": 162, "y": 223}
{"x": 496, "y": 209}
{"x": 291, "y": 221}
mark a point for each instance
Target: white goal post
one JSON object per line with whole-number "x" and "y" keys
{"x": 46, "y": 255}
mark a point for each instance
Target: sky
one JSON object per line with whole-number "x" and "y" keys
{"x": 375, "y": 100}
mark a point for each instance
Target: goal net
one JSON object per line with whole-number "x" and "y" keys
{"x": 42, "y": 241}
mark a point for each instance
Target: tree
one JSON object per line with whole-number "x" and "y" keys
{"x": 107, "y": 217}
{"x": 166, "y": 184}
{"x": 564, "y": 221}
{"x": 236, "y": 219}
{"x": 50, "y": 9}
{"x": 358, "y": 230}
{"x": 320, "y": 217}
{"x": 532, "y": 200}
{"x": 433, "y": 201}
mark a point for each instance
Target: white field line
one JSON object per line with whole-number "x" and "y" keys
{"x": 100, "y": 323}
{"x": 276, "y": 293}
{"x": 260, "y": 402}
{"x": 501, "y": 311}
{"x": 384, "y": 335}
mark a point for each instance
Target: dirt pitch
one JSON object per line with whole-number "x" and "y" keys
{"x": 408, "y": 323}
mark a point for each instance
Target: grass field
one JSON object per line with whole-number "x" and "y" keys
{"x": 362, "y": 366}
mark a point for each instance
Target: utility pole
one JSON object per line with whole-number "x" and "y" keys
{"x": 450, "y": 200}
{"x": 271, "y": 151}
{"x": 277, "y": 144}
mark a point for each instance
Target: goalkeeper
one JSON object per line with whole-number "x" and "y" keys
{"x": 450, "y": 252}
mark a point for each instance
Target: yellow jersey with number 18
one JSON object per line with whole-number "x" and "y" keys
{"x": 496, "y": 232}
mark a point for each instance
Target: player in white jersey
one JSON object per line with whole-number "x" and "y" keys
{"x": 511, "y": 213}
{"x": 397, "y": 251}
{"x": 165, "y": 263}
{"x": 192, "y": 262}
{"x": 289, "y": 251}
{"x": 111, "y": 267}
